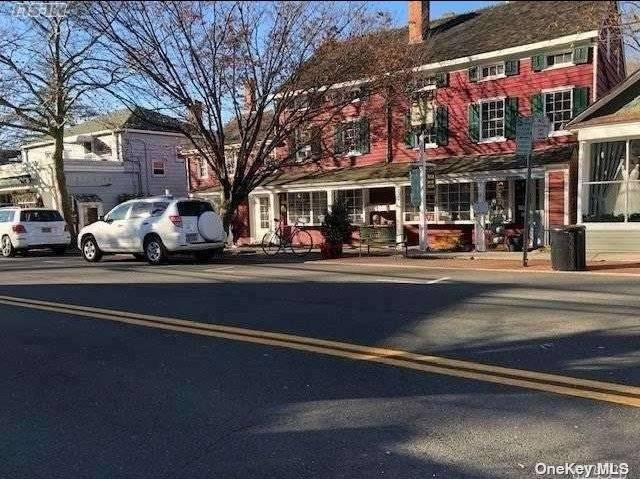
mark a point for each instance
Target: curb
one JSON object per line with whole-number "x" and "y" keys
{"x": 461, "y": 268}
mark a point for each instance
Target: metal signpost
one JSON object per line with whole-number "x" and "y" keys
{"x": 524, "y": 142}
{"x": 529, "y": 129}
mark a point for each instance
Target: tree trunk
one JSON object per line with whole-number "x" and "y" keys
{"x": 60, "y": 182}
{"x": 389, "y": 121}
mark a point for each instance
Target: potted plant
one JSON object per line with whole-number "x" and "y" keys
{"x": 335, "y": 228}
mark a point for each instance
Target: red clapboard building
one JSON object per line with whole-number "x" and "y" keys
{"x": 476, "y": 73}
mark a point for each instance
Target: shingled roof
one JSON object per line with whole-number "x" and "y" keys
{"x": 509, "y": 24}
{"x": 502, "y": 164}
{"x": 620, "y": 105}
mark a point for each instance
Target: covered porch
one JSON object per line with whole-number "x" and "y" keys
{"x": 381, "y": 195}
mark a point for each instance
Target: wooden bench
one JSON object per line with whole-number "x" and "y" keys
{"x": 380, "y": 236}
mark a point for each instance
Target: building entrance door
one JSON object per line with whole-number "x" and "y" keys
{"x": 262, "y": 221}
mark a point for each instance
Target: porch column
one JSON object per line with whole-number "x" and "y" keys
{"x": 329, "y": 199}
{"x": 399, "y": 214}
{"x": 480, "y": 218}
{"x": 274, "y": 207}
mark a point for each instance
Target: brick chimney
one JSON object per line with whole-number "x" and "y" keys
{"x": 418, "y": 20}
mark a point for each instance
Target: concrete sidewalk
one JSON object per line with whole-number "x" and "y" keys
{"x": 511, "y": 262}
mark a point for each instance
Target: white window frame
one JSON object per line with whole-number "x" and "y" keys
{"x": 164, "y": 168}
{"x": 491, "y": 77}
{"x": 481, "y": 103}
{"x": 202, "y": 168}
{"x": 544, "y": 93}
{"x": 314, "y": 219}
{"x": 362, "y": 213}
{"x": 304, "y": 154}
{"x": 433, "y": 217}
{"x": 557, "y": 65}
{"x": 430, "y": 144}
{"x": 352, "y": 123}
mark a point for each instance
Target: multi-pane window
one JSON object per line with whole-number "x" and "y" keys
{"x": 352, "y": 137}
{"x": 490, "y": 71}
{"x": 412, "y": 212}
{"x": 354, "y": 203}
{"x": 611, "y": 185}
{"x": 454, "y": 202}
{"x": 563, "y": 58}
{"x": 158, "y": 168}
{"x": 306, "y": 207}
{"x": 492, "y": 119}
{"x": 202, "y": 168}
{"x": 263, "y": 204}
{"x": 423, "y": 111}
{"x": 558, "y": 107}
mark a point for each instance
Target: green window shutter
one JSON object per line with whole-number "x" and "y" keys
{"x": 338, "y": 143}
{"x": 510, "y": 117}
{"x": 363, "y": 130}
{"x": 316, "y": 141}
{"x": 511, "y": 67}
{"x": 580, "y": 55}
{"x": 537, "y": 106}
{"x": 474, "y": 122}
{"x": 473, "y": 74}
{"x": 580, "y": 100}
{"x": 442, "y": 125}
{"x": 409, "y": 135}
{"x": 442, "y": 79}
{"x": 537, "y": 63}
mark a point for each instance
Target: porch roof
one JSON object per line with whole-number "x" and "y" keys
{"x": 446, "y": 166}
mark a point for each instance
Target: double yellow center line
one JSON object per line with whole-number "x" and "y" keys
{"x": 568, "y": 386}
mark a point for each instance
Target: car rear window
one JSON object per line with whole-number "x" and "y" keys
{"x": 193, "y": 208}
{"x": 41, "y": 216}
{"x": 6, "y": 216}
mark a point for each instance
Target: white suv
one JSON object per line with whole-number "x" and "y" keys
{"x": 22, "y": 229}
{"x": 152, "y": 228}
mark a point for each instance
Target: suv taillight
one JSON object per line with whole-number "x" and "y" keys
{"x": 20, "y": 229}
{"x": 176, "y": 220}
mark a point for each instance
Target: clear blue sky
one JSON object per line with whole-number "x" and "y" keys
{"x": 398, "y": 9}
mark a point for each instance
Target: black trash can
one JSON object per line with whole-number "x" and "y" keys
{"x": 568, "y": 248}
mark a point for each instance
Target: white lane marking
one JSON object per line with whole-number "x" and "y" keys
{"x": 439, "y": 280}
{"x": 411, "y": 281}
{"x": 215, "y": 270}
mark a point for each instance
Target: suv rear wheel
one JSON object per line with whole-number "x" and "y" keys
{"x": 90, "y": 250}
{"x": 8, "y": 250}
{"x": 155, "y": 251}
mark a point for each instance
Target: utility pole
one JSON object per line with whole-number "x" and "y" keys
{"x": 423, "y": 232}
{"x": 527, "y": 218}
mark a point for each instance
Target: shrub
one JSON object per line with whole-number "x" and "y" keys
{"x": 336, "y": 225}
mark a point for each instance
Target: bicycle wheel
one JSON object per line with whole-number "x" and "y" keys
{"x": 271, "y": 243}
{"x": 301, "y": 242}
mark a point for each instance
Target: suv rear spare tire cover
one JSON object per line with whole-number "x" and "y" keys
{"x": 210, "y": 226}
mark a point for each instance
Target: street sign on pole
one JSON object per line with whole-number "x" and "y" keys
{"x": 414, "y": 178}
{"x": 541, "y": 127}
{"x": 524, "y": 138}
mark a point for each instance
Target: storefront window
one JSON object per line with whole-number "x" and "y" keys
{"x": 354, "y": 203}
{"x": 411, "y": 212}
{"x": 454, "y": 202}
{"x": 605, "y": 191}
{"x": 308, "y": 207}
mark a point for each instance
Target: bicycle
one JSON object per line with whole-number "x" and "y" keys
{"x": 298, "y": 240}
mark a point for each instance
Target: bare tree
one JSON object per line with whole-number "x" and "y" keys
{"x": 48, "y": 67}
{"x": 250, "y": 65}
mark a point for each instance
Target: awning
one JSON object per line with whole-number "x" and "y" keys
{"x": 500, "y": 165}
{"x": 445, "y": 166}
{"x": 89, "y": 198}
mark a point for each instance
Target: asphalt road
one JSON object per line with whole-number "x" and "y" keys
{"x": 90, "y": 396}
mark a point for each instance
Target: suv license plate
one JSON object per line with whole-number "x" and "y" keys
{"x": 192, "y": 237}
{"x": 46, "y": 230}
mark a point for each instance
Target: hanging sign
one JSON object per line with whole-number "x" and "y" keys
{"x": 523, "y": 135}
{"x": 541, "y": 127}
{"x": 414, "y": 176}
